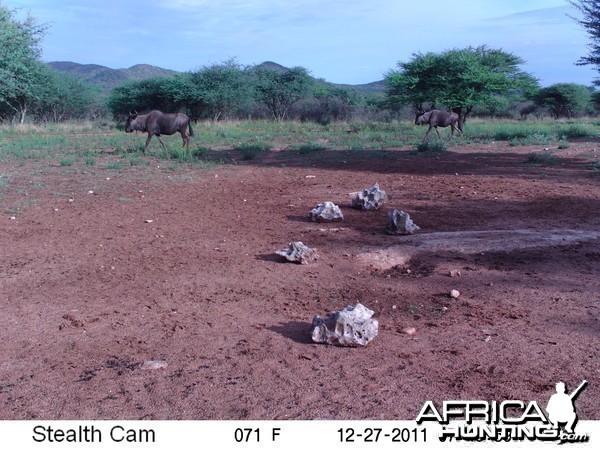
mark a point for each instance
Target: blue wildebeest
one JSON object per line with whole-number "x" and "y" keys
{"x": 156, "y": 123}
{"x": 436, "y": 118}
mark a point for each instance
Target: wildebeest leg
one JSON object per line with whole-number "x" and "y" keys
{"x": 186, "y": 141}
{"x": 438, "y": 133}
{"x": 162, "y": 143}
{"x": 427, "y": 133}
{"x": 147, "y": 142}
{"x": 453, "y": 127}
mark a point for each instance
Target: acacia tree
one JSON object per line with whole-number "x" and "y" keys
{"x": 565, "y": 99}
{"x": 458, "y": 79}
{"x": 590, "y": 9}
{"x": 62, "y": 97}
{"x": 278, "y": 90}
{"x": 151, "y": 93}
{"x": 21, "y": 72}
{"x": 215, "y": 91}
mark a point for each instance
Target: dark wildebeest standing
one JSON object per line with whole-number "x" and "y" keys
{"x": 156, "y": 123}
{"x": 436, "y": 118}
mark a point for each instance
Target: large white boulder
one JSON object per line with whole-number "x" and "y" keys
{"x": 298, "y": 252}
{"x": 351, "y": 327}
{"x": 370, "y": 198}
{"x": 326, "y": 212}
{"x": 400, "y": 222}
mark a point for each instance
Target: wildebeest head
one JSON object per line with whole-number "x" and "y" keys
{"x": 133, "y": 124}
{"x": 422, "y": 117}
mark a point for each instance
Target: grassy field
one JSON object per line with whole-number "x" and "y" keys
{"x": 75, "y": 142}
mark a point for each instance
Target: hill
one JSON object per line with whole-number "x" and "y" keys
{"x": 108, "y": 78}
{"x": 373, "y": 88}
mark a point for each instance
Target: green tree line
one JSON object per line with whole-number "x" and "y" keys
{"x": 473, "y": 80}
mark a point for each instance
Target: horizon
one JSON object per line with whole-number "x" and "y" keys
{"x": 342, "y": 42}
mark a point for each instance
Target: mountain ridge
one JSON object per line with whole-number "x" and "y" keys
{"x": 107, "y": 78}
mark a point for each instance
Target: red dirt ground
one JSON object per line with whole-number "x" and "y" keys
{"x": 90, "y": 289}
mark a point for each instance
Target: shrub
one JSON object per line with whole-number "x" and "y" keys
{"x": 251, "y": 151}
{"x": 436, "y": 146}
{"x": 542, "y": 159}
{"x": 310, "y": 148}
{"x": 534, "y": 139}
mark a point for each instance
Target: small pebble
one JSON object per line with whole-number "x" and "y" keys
{"x": 153, "y": 364}
{"x": 454, "y": 293}
{"x": 409, "y": 330}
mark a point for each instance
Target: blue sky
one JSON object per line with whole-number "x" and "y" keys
{"x": 342, "y": 41}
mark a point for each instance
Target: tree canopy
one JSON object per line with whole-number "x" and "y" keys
{"x": 457, "y": 79}
{"x": 565, "y": 99}
{"x": 21, "y": 71}
{"x": 278, "y": 90}
{"x": 590, "y": 9}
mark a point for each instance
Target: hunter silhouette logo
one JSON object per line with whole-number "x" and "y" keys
{"x": 509, "y": 420}
{"x": 561, "y": 408}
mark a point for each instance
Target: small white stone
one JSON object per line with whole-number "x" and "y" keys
{"x": 454, "y": 293}
{"x": 153, "y": 364}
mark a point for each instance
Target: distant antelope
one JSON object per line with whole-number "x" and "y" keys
{"x": 436, "y": 118}
{"x": 156, "y": 123}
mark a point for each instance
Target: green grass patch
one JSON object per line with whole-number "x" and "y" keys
{"x": 68, "y": 161}
{"x": 200, "y": 151}
{"x": 534, "y": 139}
{"x": 114, "y": 166}
{"x": 180, "y": 154}
{"x": 91, "y": 143}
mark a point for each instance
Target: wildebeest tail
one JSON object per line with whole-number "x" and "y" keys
{"x": 190, "y": 126}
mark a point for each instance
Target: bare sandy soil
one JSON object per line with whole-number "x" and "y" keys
{"x": 149, "y": 293}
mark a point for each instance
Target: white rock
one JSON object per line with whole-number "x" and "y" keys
{"x": 400, "y": 222}
{"x": 326, "y": 212}
{"x": 350, "y": 327}
{"x": 153, "y": 364}
{"x": 298, "y": 252}
{"x": 370, "y": 198}
{"x": 454, "y": 293}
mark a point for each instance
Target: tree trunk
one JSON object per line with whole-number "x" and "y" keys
{"x": 22, "y": 112}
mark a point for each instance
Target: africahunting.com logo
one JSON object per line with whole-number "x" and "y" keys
{"x": 510, "y": 420}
